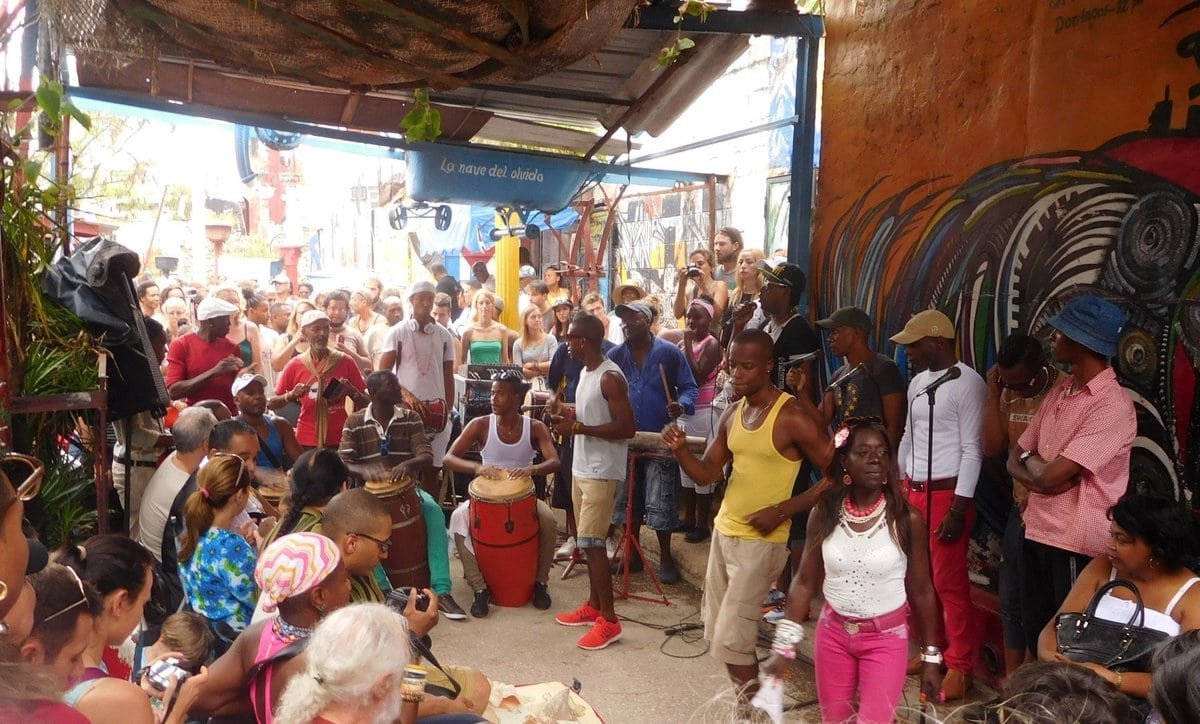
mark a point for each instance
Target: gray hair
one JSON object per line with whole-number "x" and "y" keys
{"x": 349, "y": 652}
{"x": 192, "y": 428}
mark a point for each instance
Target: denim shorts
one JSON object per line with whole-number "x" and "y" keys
{"x": 654, "y": 494}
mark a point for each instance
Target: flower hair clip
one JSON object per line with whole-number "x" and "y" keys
{"x": 841, "y": 436}
{"x": 204, "y": 493}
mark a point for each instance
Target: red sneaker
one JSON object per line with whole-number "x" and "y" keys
{"x": 601, "y": 634}
{"x": 585, "y": 615}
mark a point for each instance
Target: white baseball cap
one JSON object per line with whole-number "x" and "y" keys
{"x": 242, "y": 381}
{"x": 213, "y": 307}
{"x": 312, "y": 316}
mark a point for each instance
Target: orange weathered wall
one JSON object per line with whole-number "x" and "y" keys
{"x": 995, "y": 158}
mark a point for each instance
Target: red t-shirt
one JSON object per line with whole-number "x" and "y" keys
{"x": 190, "y": 356}
{"x": 296, "y": 372}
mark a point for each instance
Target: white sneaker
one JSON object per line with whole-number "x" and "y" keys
{"x": 610, "y": 547}
{"x": 566, "y": 549}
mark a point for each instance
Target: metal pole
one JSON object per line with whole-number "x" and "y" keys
{"x": 803, "y": 144}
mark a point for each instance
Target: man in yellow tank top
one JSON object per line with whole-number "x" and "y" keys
{"x": 766, "y": 436}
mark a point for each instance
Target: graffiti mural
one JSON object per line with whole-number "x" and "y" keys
{"x": 656, "y": 231}
{"x": 1004, "y": 249}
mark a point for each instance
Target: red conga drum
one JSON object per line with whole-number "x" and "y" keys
{"x": 407, "y": 563}
{"x": 504, "y": 532}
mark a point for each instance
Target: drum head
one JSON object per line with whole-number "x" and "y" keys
{"x": 387, "y": 488}
{"x": 501, "y": 489}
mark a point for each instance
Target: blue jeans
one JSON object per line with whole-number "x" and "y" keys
{"x": 653, "y": 494}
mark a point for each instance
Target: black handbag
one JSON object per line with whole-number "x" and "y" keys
{"x": 1085, "y": 638}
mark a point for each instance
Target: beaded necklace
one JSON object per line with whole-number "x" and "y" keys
{"x": 287, "y": 633}
{"x": 854, "y": 514}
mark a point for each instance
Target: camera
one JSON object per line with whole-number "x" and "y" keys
{"x": 397, "y": 598}
{"x": 692, "y": 271}
{"x": 161, "y": 673}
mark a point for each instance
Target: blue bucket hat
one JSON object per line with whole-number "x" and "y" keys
{"x": 1091, "y": 321}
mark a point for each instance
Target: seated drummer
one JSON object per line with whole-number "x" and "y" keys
{"x": 508, "y": 442}
{"x": 385, "y": 439}
{"x": 360, "y": 524}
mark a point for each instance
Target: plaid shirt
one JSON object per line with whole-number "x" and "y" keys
{"x": 363, "y": 438}
{"x": 1094, "y": 428}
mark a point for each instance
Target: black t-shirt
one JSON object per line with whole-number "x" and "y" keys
{"x": 450, "y": 286}
{"x": 796, "y": 338}
{"x": 862, "y": 395}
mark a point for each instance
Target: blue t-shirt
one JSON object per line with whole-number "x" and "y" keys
{"x": 646, "y": 387}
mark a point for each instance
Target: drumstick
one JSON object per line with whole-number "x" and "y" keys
{"x": 662, "y": 372}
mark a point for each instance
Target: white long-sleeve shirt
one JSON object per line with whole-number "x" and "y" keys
{"x": 957, "y": 428}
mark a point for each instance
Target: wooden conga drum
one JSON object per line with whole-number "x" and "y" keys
{"x": 504, "y": 532}
{"x": 407, "y": 563}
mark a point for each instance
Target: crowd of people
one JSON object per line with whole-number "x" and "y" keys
{"x": 262, "y": 542}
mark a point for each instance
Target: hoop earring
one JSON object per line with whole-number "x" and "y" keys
{"x": 847, "y": 480}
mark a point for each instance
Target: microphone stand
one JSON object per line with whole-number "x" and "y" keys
{"x": 929, "y": 471}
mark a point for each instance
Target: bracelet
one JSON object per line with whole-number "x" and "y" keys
{"x": 576, "y": 427}
{"x": 931, "y": 655}
{"x": 788, "y": 634}
{"x": 413, "y": 698}
{"x": 1120, "y": 678}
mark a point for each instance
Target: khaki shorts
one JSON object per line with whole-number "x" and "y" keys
{"x": 740, "y": 572}
{"x": 594, "y": 501}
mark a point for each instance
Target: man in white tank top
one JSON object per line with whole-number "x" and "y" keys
{"x": 601, "y": 425}
{"x": 502, "y": 459}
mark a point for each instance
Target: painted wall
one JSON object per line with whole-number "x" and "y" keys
{"x": 994, "y": 159}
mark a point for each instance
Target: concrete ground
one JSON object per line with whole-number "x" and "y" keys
{"x": 647, "y": 676}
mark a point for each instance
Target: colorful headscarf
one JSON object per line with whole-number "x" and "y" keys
{"x": 294, "y": 564}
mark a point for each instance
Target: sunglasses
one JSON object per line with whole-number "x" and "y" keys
{"x": 384, "y": 545}
{"x": 83, "y": 599}
{"x": 237, "y": 483}
{"x": 28, "y": 470}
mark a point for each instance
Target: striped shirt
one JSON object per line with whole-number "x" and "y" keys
{"x": 363, "y": 438}
{"x": 1094, "y": 428}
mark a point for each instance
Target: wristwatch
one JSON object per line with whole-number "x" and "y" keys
{"x": 1026, "y": 455}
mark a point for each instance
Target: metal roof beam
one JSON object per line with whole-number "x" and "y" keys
{"x": 730, "y": 22}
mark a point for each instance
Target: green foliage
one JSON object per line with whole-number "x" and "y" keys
{"x": 697, "y": 9}
{"x": 250, "y": 245}
{"x": 59, "y": 513}
{"x": 423, "y": 122}
{"x": 50, "y": 351}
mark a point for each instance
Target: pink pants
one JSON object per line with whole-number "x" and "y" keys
{"x": 957, "y": 636}
{"x": 870, "y": 664}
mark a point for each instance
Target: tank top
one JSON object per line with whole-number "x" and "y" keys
{"x": 485, "y": 352}
{"x": 1119, "y": 610}
{"x": 708, "y": 386}
{"x": 268, "y": 645}
{"x": 761, "y": 476}
{"x": 273, "y": 442}
{"x": 244, "y": 346}
{"x": 596, "y": 457}
{"x": 864, "y": 572}
{"x": 499, "y": 454}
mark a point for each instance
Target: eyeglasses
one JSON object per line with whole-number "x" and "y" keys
{"x": 384, "y": 545}
{"x": 25, "y": 468}
{"x": 83, "y": 599}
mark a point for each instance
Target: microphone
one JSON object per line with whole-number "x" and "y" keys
{"x": 846, "y": 377}
{"x": 797, "y": 359}
{"x": 951, "y": 374}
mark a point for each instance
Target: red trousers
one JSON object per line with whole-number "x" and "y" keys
{"x": 957, "y": 636}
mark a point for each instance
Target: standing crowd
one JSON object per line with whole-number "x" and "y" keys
{"x": 305, "y": 464}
